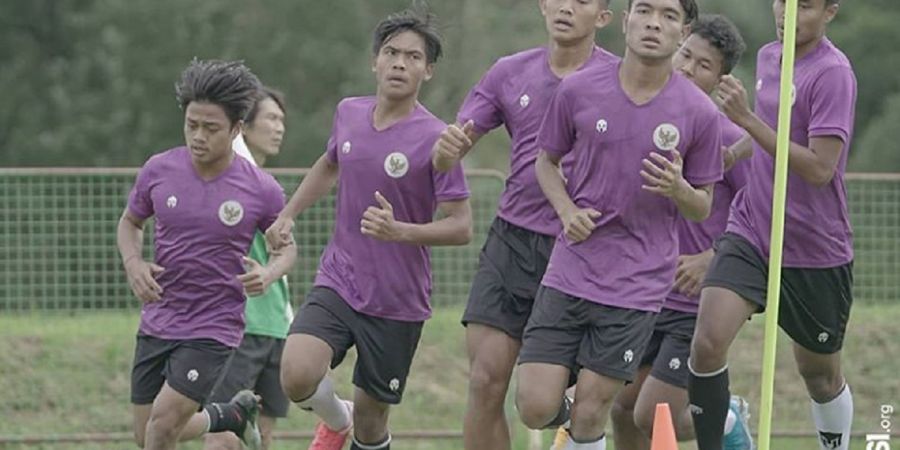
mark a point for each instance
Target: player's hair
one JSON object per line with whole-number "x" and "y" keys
{"x": 831, "y": 2}
{"x": 722, "y": 34}
{"x": 691, "y": 10}
{"x": 229, "y": 84}
{"x": 266, "y": 93}
{"x": 416, "y": 19}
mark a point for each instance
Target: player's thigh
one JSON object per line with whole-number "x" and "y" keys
{"x": 275, "y": 404}
{"x": 654, "y": 392}
{"x": 385, "y": 349}
{"x": 319, "y": 337}
{"x": 247, "y": 363}
{"x": 815, "y": 307}
{"x": 492, "y": 354}
{"x": 172, "y": 408}
{"x": 511, "y": 266}
{"x": 627, "y": 398}
{"x": 722, "y": 314}
{"x": 140, "y": 416}
{"x": 195, "y": 367}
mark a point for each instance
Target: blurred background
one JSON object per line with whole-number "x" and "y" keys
{"x": 89, "y": 84}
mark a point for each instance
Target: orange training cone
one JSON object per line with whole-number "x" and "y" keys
{"x": 663, "y": 430}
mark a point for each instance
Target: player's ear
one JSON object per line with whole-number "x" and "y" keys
{"x": 831, "y": 11}
{"x": 429, "y": 71}
{"x": 236, "y": 129}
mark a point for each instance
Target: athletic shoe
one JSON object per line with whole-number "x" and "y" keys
{"x": 328, "y": 439}
{"x": 739, "y": 438}
{"x": 248, "y": 403}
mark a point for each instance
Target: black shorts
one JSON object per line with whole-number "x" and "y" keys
{"x": 191, "y": 367}
{"x": 815, "y": 303}
{"x": 256, "y": 365}
{"x": 670, "y": 347}
{"x": 510, "y": 268}
{"x": 384, "y": 347}
{"x": 577, "y": 333}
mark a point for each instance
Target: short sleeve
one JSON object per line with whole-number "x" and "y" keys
{"x": 483, "y": 104}
{"x": 140, "y": 202}
{"x": 274, "y": 203}
{"x": 833, "y": 104}
{"x": 450, "y": 185}
{"x": 738, "y": 175}
{"x": 331, "y": 146}
{"x": 703, "y": 163}
{"x": 557, "y": 132}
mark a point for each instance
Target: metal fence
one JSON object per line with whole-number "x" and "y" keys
{"x": 58, "y": 250}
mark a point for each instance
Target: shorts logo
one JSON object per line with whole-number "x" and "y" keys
{"x": 695, "y": 410}
{"x": 192, "y": 375}
{"x": 172, "y": 201}
{"x": 345, "y": 148}
{"x": 830, "y": 440}
{"x": 675, "y": 364}
{"x": 524, "y": 100}
{"x": 231, "y": 213}
{"x": 628, "y": 356}
{"x": 602, "y": 126}
{"x": 823, "y": 337}
{"x": 394, "y": 385}
{"x": 396, "y": 165}
{"x": 759, "y": 84}
{"x": 666, "y": 137}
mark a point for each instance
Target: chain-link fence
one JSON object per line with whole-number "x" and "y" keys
{"x": 58, "y": 246}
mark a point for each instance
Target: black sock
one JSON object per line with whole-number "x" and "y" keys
{"x": 563, "y": 416}
{"x": 709, "y": 398}
{"x": 383, "y": 445}
{"x": 225, "y": 417}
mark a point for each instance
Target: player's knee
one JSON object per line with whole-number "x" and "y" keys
{"x": 643, "y": 420}
{"x": 487, "y": 384}
{"x": 298, "y": 382}
{"x": 620, "y": 413}
{"x": 822, "y": 383}
{"x": 590, "y": 414}
{"x": 536, "y": 410}
{"x": 707, "y": 352}
{"x": 163, "y": 425}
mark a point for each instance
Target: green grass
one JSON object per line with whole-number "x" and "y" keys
{"x": 62, "y": 374}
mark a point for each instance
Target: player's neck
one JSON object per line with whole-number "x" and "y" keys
{"x": 808, "y": 47}
{"x": 258, "y": 156}
{"x": 643, "y": 78}
{"x": 212, "y": 169}
{"x": 389, "y": 111}
{"x": 565, "y": 59}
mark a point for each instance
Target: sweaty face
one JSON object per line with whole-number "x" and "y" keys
{"x": 266, "y": 131}
{"x": 208, "y": 132}
{"x": 700, "y": 62}
{"x": 570, "y": 21}
{"x": 654, "y": 29}
{"x": 812, "y": 17}
{"x": 401, "y": 65}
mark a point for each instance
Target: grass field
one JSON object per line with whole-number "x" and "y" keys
{"x": 62, "y": 374}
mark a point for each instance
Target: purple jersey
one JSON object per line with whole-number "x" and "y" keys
{"x": 629, "y": 260}
{"x": 202, "y": 230}
{"x": 384, "y": 279}
{"x": 516, "y": 92}
{"x": 817, "y": 230}
{"x": 694, "y": 237}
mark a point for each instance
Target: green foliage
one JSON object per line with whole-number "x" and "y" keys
{"x": 89, "y": 82}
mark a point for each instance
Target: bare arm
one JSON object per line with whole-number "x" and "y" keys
{"x": 141, "y": 274}
{"x": 258, "y": 278}
{"x": 318, "y": 182}
{"x": 453, "y": 228}
{"x": 739, "y": 151}
{"x": 815, "y": 164}
{"x": 453, "y": 145}
{"x": 578, "y": 224}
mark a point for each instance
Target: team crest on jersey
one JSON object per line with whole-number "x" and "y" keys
{"x": 231, "y": 213}
{"x": 172, "y": 201}
{"x": 396, "y": 165}
{"x": 793, "y": 94}
{"x": 602, "y": 126}
{"x": 759, "y": 84}
{"x": 524, "y": 100}
{"x": 345, "y": 148}
{"x": 666, "y": 137}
